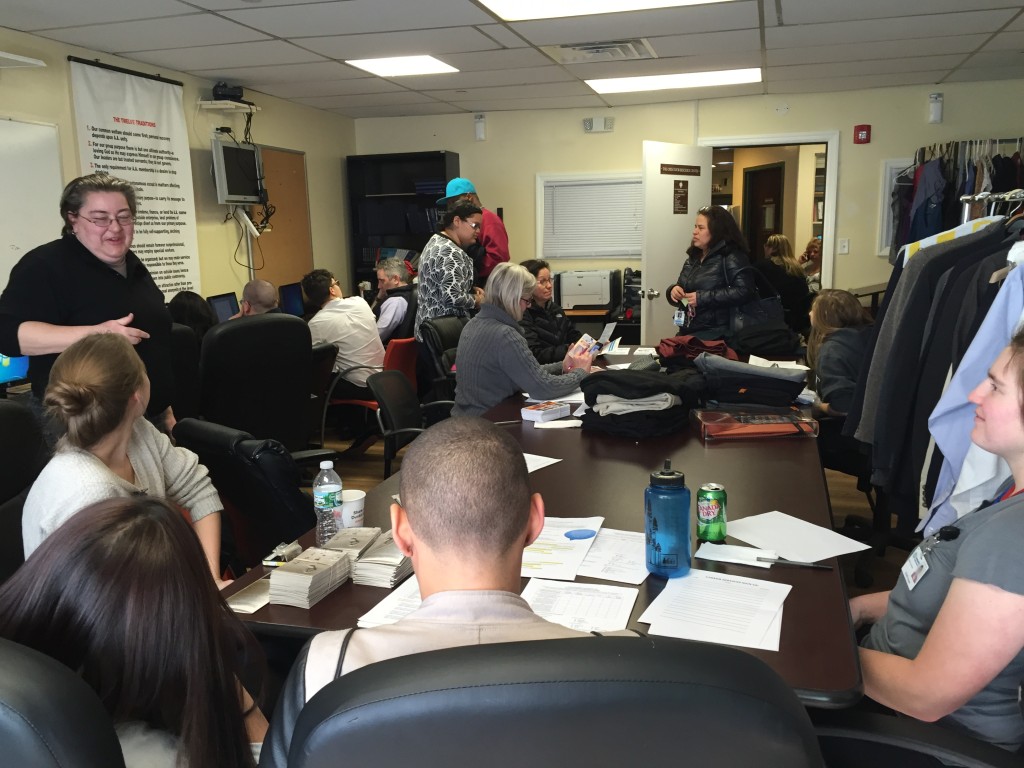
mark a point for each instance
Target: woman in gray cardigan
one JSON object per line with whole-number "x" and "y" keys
{"x": 494, "y": 361}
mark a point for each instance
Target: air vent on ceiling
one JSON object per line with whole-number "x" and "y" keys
{"x": 612, "y": 50}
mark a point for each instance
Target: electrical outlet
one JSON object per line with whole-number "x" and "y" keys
{"x": 844, "y": 245}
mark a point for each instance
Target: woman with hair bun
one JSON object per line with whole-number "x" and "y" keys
{"x": 99, "y": 391}
{"x": 121, "y": 595}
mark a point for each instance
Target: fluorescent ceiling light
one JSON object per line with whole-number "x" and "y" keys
{"x": 681, "y": 80}
{"x": 523, "y": 10}
{"x": 400, "y": 66}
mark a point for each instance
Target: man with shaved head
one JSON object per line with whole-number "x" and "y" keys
{"x": 258, "y": 298}
{"x": 465, "y": 516}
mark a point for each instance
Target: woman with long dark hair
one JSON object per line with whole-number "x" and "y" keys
{"x": 716, "y": 275}
{"x": 121, "y": 594}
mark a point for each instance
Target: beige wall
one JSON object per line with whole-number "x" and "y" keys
{"x": 44, "y": 95}
{"x": 520, "y": 145}
{"x": 748, "y": 158}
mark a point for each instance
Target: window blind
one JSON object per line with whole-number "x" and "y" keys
{"x": 593, "y": 218}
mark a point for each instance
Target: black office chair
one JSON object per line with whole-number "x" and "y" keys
{"x": 399, "y": 412}
{"x": 590, "y": 701}
{"x": 324, "y": 356}
{"x": 853, "y": 739}
{"x": 255, "y": 376}
{"x": 185, "y": 364}
{"x": 49, "y": 716}
{"x": 441, "y": 337}
{"x": 258, "y": 481}
{"x": 23, "y": 454}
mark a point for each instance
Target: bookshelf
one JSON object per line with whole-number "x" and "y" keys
{"x": 392, "y": 204}
{"x": 818, "y": 225}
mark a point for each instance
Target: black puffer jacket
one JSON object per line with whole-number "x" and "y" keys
{"x": 548, "y": 331}
{"x": 715, "y": 294}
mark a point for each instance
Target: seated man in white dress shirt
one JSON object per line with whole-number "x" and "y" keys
{"x": 350, "y": 325}
{"x": 465, "y": 517}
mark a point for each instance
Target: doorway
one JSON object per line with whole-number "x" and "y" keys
{"x": 763, "y": 205}
{"x": 809, "y": 187}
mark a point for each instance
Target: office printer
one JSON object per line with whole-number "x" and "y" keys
{"x": 590, "y": 289}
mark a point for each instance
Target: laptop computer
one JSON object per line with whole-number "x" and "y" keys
{"x": 224, "y": 305}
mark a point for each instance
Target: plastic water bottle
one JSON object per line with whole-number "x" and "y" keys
{"x": 667, "y": 523}
{"x": 326, "y": 502}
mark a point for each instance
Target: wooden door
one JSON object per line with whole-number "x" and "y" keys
{"x": 762, "y": 205}
{"x": 284, "y": 252}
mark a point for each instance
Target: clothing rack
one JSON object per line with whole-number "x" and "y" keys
{"x": 993, "y": 199}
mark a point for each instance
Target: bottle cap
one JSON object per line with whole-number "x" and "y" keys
{"x": 326, "y": 465}
{"x": 668, "y": 477}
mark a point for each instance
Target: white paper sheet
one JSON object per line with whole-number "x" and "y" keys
{"x": 612, "y": 347}
{"x": 252, "y": 598}
{"x": 792, "y": 538}
{"x": 717, "y": 608}
{"x": 645, "y": 351}
{"x": 728, "y": 553}
{"x": 586, "y": 607}
{"x": 403, "y": 600}
{"x": 535, "y": 462}
{"x": 561, "y": 547}
{"x": 616, "y": 556}
{"x": 619, "y": 366}
{"x": 558, "y": 424}
{"x": 762, "y": 362}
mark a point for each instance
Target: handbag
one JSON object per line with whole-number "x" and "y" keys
{"x": 766, "y": 308}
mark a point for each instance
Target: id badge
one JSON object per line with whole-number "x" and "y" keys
{"x": 680, "y": 318}
{"x": 914, "y": 569}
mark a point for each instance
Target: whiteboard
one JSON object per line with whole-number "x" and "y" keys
{"x": 30, "y": 189}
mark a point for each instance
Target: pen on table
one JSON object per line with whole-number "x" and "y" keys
{"x": 506, "y": 423}
{"x": 795, "y": 563}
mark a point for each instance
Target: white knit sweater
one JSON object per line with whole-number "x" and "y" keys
{"x": 75, "y": 478}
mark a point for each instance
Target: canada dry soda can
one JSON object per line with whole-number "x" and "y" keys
{"x": 711, "y": 513}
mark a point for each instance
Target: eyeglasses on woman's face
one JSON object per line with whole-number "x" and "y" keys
{"x": 103, "y": 221}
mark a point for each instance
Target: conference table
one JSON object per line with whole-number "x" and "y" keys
{"x": 604, "y": 475}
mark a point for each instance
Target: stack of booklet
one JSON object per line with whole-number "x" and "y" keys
{"x": 353, "y": 541}
{"x": 309, "y": 578}
{"x": 382, "y": 565}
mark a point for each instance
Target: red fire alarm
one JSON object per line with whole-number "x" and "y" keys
{"x": 862, "y": 134}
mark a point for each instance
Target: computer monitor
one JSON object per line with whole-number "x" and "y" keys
{"x": 291, "y": 299}
{"x": 224, "y": 305}
{"x": 13, "y": 369}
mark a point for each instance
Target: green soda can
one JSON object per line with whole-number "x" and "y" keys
{"x": 711, "y": 513}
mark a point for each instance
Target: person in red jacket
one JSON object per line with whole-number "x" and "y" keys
{"x": 491, "y": 247}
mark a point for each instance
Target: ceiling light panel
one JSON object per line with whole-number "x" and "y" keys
{"x": 526, "y": 10}
{"x": 402, "y": 66}
{"x": 680, "y": 80}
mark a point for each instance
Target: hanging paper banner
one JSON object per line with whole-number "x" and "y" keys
{"x": 134, "y": 128}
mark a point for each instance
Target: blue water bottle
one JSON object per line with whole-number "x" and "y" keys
{"x": 667, "y": 523}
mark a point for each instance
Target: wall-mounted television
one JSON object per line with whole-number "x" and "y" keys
{"x": 13, "y": 369}
{"x": 237, "y": 172}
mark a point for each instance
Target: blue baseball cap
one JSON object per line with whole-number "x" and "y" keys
{"x": 457, "y": 186}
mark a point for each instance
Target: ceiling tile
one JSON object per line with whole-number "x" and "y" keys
{"x": 886, "y": 49}
{"x": 284, "y": 73}
{"x": 859, "y": 68}
{"x": 315, "y": 88}
{"x": 155, "y": 34}
{"x": 982, "y": 74}
{"x": 488, "y": 78}
{"x": 32, "y": 15}
{"x": 223, "y": 5}
{"x": 826, "y": 85}
{"x": 1013, "y": 41}
{"x": 552, "y": 102}
{"x": 1012, "y": 59}
{"x": 401, "y": 110}
{"x": 539, "y": 90}
{"x": 353, "y": 17}
{"x": 502, "y": 34}
{"x": 365, "y": 100}
{"x": 236, "y": 55}
{"x": 903, "y": 28}
{"x": 374, "y": 46}
{"x": 615, "y": 26}
{"x": 707, "y": 63}
{"x": 500, "y": 59}
{"x": 817, "y": 11}
{"x": 706, "y": 42}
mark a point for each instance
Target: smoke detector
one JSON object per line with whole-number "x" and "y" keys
{"x": 590, "y": 53}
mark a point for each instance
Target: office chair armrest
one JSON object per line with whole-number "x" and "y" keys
{"x": 449, "y": 403}
{"x": 340, "y": 374}
{"x": 942, "y": 743}
{"x": 312, "y": 457}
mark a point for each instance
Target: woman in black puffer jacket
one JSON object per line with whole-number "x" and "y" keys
{"x": 547, "y": 329}
{"x": 715, "y": 277}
